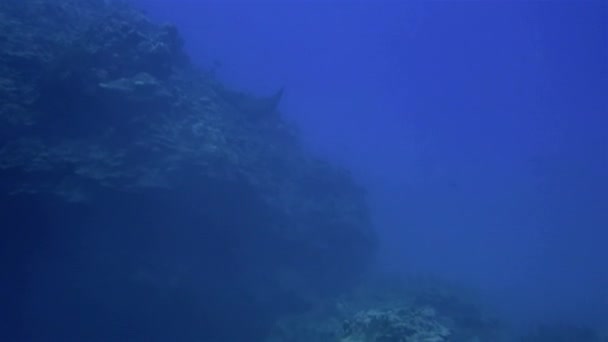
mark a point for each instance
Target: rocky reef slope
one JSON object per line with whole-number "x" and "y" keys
{"x": 140, "y": 199}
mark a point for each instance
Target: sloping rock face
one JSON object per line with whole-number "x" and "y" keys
{"x": 141, "y": 200}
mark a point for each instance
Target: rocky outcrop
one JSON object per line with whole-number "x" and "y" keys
{"x": 140, "y": 198}
{"x": 385, "y": 309}
{"x": 395, "y": 325}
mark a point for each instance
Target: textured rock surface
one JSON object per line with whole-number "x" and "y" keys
{"x": 395, "y": 325}
{"x": 392, "y": 310}
{"x": 146, "y": 199}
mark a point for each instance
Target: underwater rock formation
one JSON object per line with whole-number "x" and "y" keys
{"x": 384, "y": 308}
{"x": 140, "y": 201}
{"x": 395, "y": 325}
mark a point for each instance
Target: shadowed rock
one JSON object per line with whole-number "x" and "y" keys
{"x": 140, "y": 200}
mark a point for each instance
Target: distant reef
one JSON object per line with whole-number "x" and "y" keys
{"x": 142, "y": 200}
{"x": 389, "y": 308}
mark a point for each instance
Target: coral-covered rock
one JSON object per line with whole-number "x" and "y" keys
{"x": 385, "y": 308}
{"x": 145, "y": 199}
{"x": 395, "y": 325}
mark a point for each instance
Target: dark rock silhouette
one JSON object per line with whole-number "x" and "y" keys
{"x": 141, "y": 200}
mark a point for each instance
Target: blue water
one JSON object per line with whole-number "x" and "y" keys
{"x": 145, "y": 200}
{"x": 479, "y": 128}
